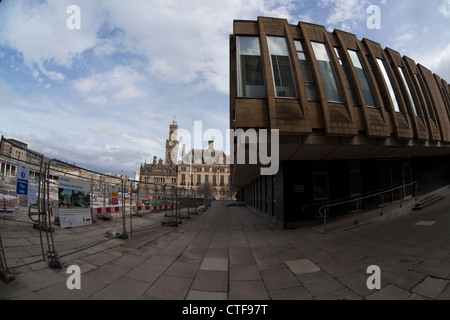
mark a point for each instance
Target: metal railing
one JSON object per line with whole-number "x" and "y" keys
{"x": 358, "y": 204}
{"x": 33, "y": 233}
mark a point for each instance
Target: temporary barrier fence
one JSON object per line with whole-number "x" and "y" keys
{"x": 102, "y": 207}
{"x": 21, "y": 242}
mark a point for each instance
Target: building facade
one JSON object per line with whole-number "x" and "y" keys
{"x": 158, "y": 173}
{"x": 352, "y": 117}
{"x": 208, "y": 171}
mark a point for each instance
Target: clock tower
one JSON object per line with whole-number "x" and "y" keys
{"x": 172, "y": 144}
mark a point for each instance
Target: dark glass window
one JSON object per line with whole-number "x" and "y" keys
{"x": 344, "y": 67}
{"x": 402, "y": 73}
{"x": 430, "y": 114}
{"x": 251, "y": 82}
{"x": 362, "y": 77}
{"x": 282, "y": 68}
{"x": 389, "y": 85}
{"x": 327, "y": 72}
{"x": 306, "y": 71}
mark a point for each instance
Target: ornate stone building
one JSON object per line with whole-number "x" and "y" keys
{"x": 208, "y": 171}
{"x": 157, "y": 174}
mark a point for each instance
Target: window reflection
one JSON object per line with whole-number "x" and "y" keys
{"x": 282, "y": 69}
{"x": 308, "y": 78}
{"x": 362, "y": 77}
{"x": 251, "y": 82}
{"x": 327, "y": 72}
{"x": 389, "y": 85}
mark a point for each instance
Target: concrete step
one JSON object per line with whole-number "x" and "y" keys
{"x": 428, "y": 201}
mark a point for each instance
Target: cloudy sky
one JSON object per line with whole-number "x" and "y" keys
{"x": 104, "y": 95}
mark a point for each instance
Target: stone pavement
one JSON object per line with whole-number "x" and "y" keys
{"x": 232, "y": 253}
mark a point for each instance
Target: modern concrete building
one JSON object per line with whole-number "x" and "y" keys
{"x": 353, "y": 118}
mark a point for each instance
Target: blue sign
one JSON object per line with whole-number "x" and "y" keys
{"x": 22, "y": 187}
{"x": 22, "y": 181}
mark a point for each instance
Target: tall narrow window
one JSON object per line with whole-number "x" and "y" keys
{"x": 251, "y": 82}
{"x": 344, "y": 67}
{"x": 402, "y": 72}
{"x": 362, "y": 77}
{"x": 307, "y": 73}
{"x": 327, "y": 72}
{"x": 430, "y": 114}
{"x": 282, "y": 68}
{"x": 389, "y": 85}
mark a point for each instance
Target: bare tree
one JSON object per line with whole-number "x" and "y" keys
{"x": 230, "y": 192}
{"x": 205, "y": 188}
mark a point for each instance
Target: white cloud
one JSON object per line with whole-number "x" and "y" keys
{"x": 116, "y": 86}
{"x": 182, "y": 41}
{"x": 37, "y": 30}
{"x": 186, "y": 41}
{"x": 346, "y": 14}
{"x": 444, "y": 9}
{"x": 440, "y": 63}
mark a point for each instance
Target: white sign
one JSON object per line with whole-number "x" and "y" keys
{"x": 32, "y": 194}
{"x": 74, "y": 184}
{"x": 69, "y": 218}
{"x": 23, "y": 174}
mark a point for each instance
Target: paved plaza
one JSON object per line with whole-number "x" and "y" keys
{"x": 232, "y": 253}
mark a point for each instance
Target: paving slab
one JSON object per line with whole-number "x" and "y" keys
{"x": 146, "y": 272}
{"x": 302, "y": 266}
{"x": 402, "y": 277}
{"x": 183, "y": 269}
{"x": 169, "y": 288}
{"x": 244, "y": 272}
{"x": 342, "y": 294}
{"x": 206, "y": 295}
{"x": 295, "y": 293}
{"x": 322, "y": 287}
{"x": 206, "y": 280}
{"x": 122, "y": 289}
{"x": 248, "y": 290}
{"x": 214, "y": 264}
{"x": 279, "y": 279}
{"x": 357, "y": 282}
{"x": 435, "y": 268}
{"x": 431, "y": 287}
{"x": 390, "y": 292}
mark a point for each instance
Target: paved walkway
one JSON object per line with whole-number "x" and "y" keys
{"x": 232, "y": 253}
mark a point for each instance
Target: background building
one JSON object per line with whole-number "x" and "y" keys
{"x": 353, "y": 117}
{"x": 208, "y": 171}
{"x": 207, "y": 168}
{"x": 158, "y": 172}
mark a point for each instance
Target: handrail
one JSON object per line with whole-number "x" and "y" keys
{"x": 363, "y": 198}
{"x": 350, "y": 198}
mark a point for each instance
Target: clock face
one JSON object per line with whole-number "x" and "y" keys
{"x": 170, "y": 143}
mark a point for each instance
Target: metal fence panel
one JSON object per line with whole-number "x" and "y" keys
{"x": 96, "y": 207}
{"x": 21, "y": 237}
